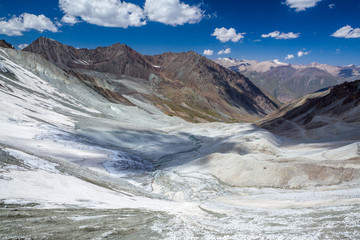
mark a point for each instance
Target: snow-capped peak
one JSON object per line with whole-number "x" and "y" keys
{"x": 277, "y": 62}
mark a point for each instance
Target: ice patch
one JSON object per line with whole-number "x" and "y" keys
{"x": 124, "y": 164}
{"x": 1, "y": 50}
{"x": 83, "y": 62}
{"x": 3, "y": 68}
{"x": 33, "y": 162}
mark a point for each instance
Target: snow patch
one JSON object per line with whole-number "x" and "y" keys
{"x": 33, "y": 162}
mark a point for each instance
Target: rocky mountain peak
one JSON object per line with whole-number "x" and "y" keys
{"x": 5, "y": 44}
{"x": 118, "y": 58}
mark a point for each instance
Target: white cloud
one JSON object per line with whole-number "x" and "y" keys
{"x": 225, "y": 51}
{"x": 69, "y": 19}
{"x": 107, "y": 13}
{"x": 208, "y": 52}
{"x": 278, "y": 35}
{"x": 302, "y": 53}
{"x": 117, "y": 13}
{"x": 331, "y": 6}
{"x": 301, "y": 5}
{"x": 289, "y": 56}
{"x": 24, "y": 45}
{"x": 347, "y": 32}
{"x": 272, "y": 34}
{"x": 172, "y": 12}
{"x": 225, "y": 35}
{"x": 15, "y": 26}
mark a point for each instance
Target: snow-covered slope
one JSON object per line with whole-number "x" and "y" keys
{"x": 249, "y": 65}
{"x": 44, "y": 117}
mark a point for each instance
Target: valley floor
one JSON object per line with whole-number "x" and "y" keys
{"x": 218, "y": 185}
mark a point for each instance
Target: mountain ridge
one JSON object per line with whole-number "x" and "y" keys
{"x": 183, "y": 84}
{"x": 319, "y": 115}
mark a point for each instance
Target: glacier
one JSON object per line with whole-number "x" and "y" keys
{"x": 74, "y": 165}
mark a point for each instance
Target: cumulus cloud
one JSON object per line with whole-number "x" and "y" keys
{"x": 301, "y": 5}
{"x": 24, "y": 45}
{"x": 331, "y": 6}
{"x": 225, "y": 35}
{"x": 289, "y": 56}
{"x": 302, "y": 53}
{"x": 281, "y": 35}
{"x": 225, "y": 51}
{"x": 107, "y": 13}
{"x": 347, "y": 32}
{"x": 69, "y": 19}
{"x": 208, "y": 52}
{"x": 172, "y": 12}
{"x": 15, "y": 26}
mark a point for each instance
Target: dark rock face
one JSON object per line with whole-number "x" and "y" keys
{"x": 339, "y": 105}
{"x": 183, "y": 84}
{"x": 4, "y": 44}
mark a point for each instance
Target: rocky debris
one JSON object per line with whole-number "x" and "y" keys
{"x": 5, "y": 44}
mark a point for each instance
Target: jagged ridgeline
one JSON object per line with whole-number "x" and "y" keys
{"x": 185, "y": 84}
{"x": 287, "y": 81}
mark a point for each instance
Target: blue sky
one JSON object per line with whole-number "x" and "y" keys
{"x": 294, "y": 31}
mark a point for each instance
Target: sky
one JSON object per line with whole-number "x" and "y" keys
{"x": 292, "y": 31}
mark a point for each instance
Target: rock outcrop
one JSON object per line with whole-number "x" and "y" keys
{"x": 5, "y": 44}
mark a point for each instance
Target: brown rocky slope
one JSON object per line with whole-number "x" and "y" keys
{"x": 331, "y": 113}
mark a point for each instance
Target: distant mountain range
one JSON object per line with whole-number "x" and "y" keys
{"x": 185, "y": 84}
{"x": 286, "y": 81}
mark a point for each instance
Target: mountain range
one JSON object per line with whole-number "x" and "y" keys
{"x": 185, "y": 84}
{"x": 287, "y": 81}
